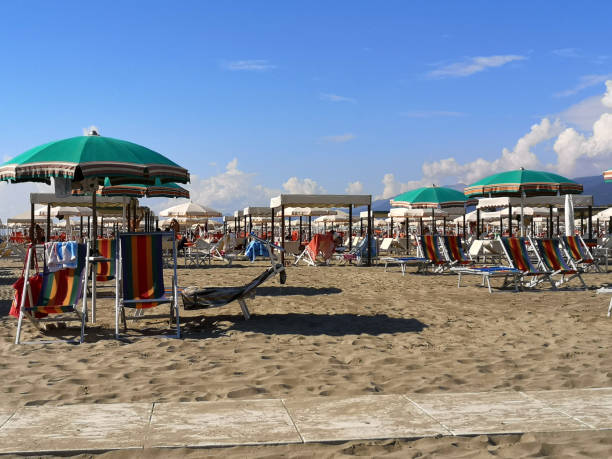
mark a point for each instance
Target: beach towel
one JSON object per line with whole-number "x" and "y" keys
{"x": 256, "y": 249}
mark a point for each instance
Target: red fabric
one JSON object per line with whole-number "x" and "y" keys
{"x": 35, "y": 284}
{"x": 321, "y": 243}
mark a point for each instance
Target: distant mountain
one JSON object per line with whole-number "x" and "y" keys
{"x": 595, "y": 186}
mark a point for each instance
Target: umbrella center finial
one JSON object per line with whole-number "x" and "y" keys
{"x": 93, "y": 131}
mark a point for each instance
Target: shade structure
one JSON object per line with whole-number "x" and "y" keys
{"x": 26, "y": 217}
{"x": 92, "y": 156}
{"x": 190, "y": 210}
{"x": 523, "y": 182}
{"x": 137, "y": 190}
{"x": 65, "y": 211}
{"x": 307, "y": 212}
{"x": 339, "y": 217}
{"x": 608, "y": 176}
{"x": 430, "y": 197}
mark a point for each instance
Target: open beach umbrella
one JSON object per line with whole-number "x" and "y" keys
{"x": 87, "y": 160}
{"x": 190, "y": 210}
{"x": 430, "y": 197}
{"x": 523, "y": 182}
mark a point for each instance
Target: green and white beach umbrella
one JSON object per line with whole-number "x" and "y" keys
{"x": 93, "y": 156}
{"x": 523, "y": 182}
{"x": 608, "y": 176}
{"x": 430, "y": 197}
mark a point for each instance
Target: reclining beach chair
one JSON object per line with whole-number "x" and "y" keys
{"x": 105, "y": 270}
{"x": 551, "y": 259}
{"x": 321, "y": 244}
{"x": 140, "y": 277}
{"x": 429, "y": 248}
{"x": 59, "y": 296}
{"x": 360, "y": 252}
{"x": 515, "y": 249}
{"x": 578, "y": 253}
{"x": 195, "y": 298}
{"x": 453, "y": 251}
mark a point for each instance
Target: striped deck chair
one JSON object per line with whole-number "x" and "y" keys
{"x": 140, "y": 277}
{"x": 453, "y": 250}
{"x": 429, "y": 248}
{"x": 578, "y": 253}
{"x": 551, "y": 259}
{"x": 59, "y": 296}
{"x": 105, "y": 270}
{"x": 515, "y": 249}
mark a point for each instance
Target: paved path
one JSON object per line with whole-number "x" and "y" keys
{"x": 100, "y": 427}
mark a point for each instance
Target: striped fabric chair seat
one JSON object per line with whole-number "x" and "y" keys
{"x": 431, "y": 249}
{"x": 454, "y": 249}
{"x": 105, "y": 270}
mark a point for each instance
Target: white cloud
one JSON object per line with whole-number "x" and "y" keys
{"x": 257, "y": 65}
{"x": 585, "y": 81}
{"x": 473, "y": 65}
{"x": 430, "y": 113}
{"x": 15, "y": 197}
{"x": 584, "y": 114}
{"x": 567, "y": 52}
{"x": 336, "y": 98}
{"x": 306, "y": 186}
{"x": 338, "y": 138}
{"x": 354, "y": 188}
{"x": 230, "y": 190}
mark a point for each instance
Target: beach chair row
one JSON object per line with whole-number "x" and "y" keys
{"x": 135, "y": 261}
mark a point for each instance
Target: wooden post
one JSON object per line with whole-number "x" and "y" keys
{"x": 590, "y": 222}
{"x": 550, "y": 221}
{"x": 360, "y": 227}
{"x": 558, "y": 225}
{"x": 464, "y": 234}
{"x": 309, "y": 228}
{"x": 94, "y": 210}
{"x": 81, "y": 229}
{"x": 88, "y": 227}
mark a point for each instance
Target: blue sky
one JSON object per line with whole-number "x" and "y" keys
{"x": 248, "y": 95}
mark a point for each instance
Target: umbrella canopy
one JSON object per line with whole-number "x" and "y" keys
{"x": 430, "y": 197}
{"x": 92, "y": 156}
{"x": 517, "y": 182}
{"x": 190, "y": 210}
{"x": 306, "y": 212}
{"x": 608, "y": 176}
{"x": 339, "y": 217}
{"x": 25, "y": 217}
{"x": 136, "y": 190}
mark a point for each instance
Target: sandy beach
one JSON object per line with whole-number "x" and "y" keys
{"x": 339, "y": 330}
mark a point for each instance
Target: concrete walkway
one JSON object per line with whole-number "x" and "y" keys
{"x": 100, "y": 427}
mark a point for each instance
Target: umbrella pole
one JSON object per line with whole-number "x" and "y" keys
{"x": 369, "y": 238}
{"x": 477, "y": 223}
{"x": 48, "y": 222}
{"x": 94, "y": 214}
{"x": 32, "y": 235}
{"x": 350, "y": 239}
{"x": 550, "y": 214}
{"x": 360, "y": 227}
{"x": 433, "y": 221}
{"x": 510, "y": 220}
{"x": 406, "y": 233}
{"x": 300, "y": 238}
{"x": 421, "y": 226}
{"x": 559, "y": 225}
{"x": 590, "y": 222}
{"x": 444, "y": 226}
{"x": 309, "y": 227}
{"x": 272, "y": 225}
{"x": 464, "y": 224}
{"x": 81, "y": 230}
{"x": 283, "y": 233}
{"x": 522, "y": 214}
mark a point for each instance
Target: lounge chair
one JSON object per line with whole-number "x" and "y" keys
{"x": 59, "y": 296}
{"x": 515, "y": 249}
{"x": 140, "y": 277}
{"x": 453, "y": 251}
{"x": 550, "y": 259}
{"x": 403, "y": 262}
{"x": 320, "y": 244}
{"x": 105, "y": 270}
{"x": 429, "y": 248}
{"x": 195, "y": 298}
{"x": 578, "y": 253}
{"x": 360, "y": 251}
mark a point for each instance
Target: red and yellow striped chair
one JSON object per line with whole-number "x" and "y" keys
{"x": 578, "y": 253}
{"x": 429, "y": 246}
{"x": 551, "y": 259}
{"x": 105, "y": 270}
{"x": 140, "y": 279}
{"x": 515, "y": 249}
{"x": 59, "y": 296}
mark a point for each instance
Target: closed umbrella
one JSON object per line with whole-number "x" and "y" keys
{"x": 569, "y": 215}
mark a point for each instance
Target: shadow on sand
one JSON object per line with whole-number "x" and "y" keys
{"x": 306, "y": 324}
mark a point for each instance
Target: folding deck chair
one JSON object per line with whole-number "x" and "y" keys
{"x": 104, "y": 270}
{"x": 453, "y": 251}
{"x": 578, "y": 253}
{"x": 551, "y": 259}
{"x": 515, "y": 249}
{"x": 59, "y": 296}
{"x": 140, "y": 277}
{"x": 195, "y": 298}
{"x": 360, "y": 251}
{"x": 429, "y": 248}
{"x": 322, "y": 244}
